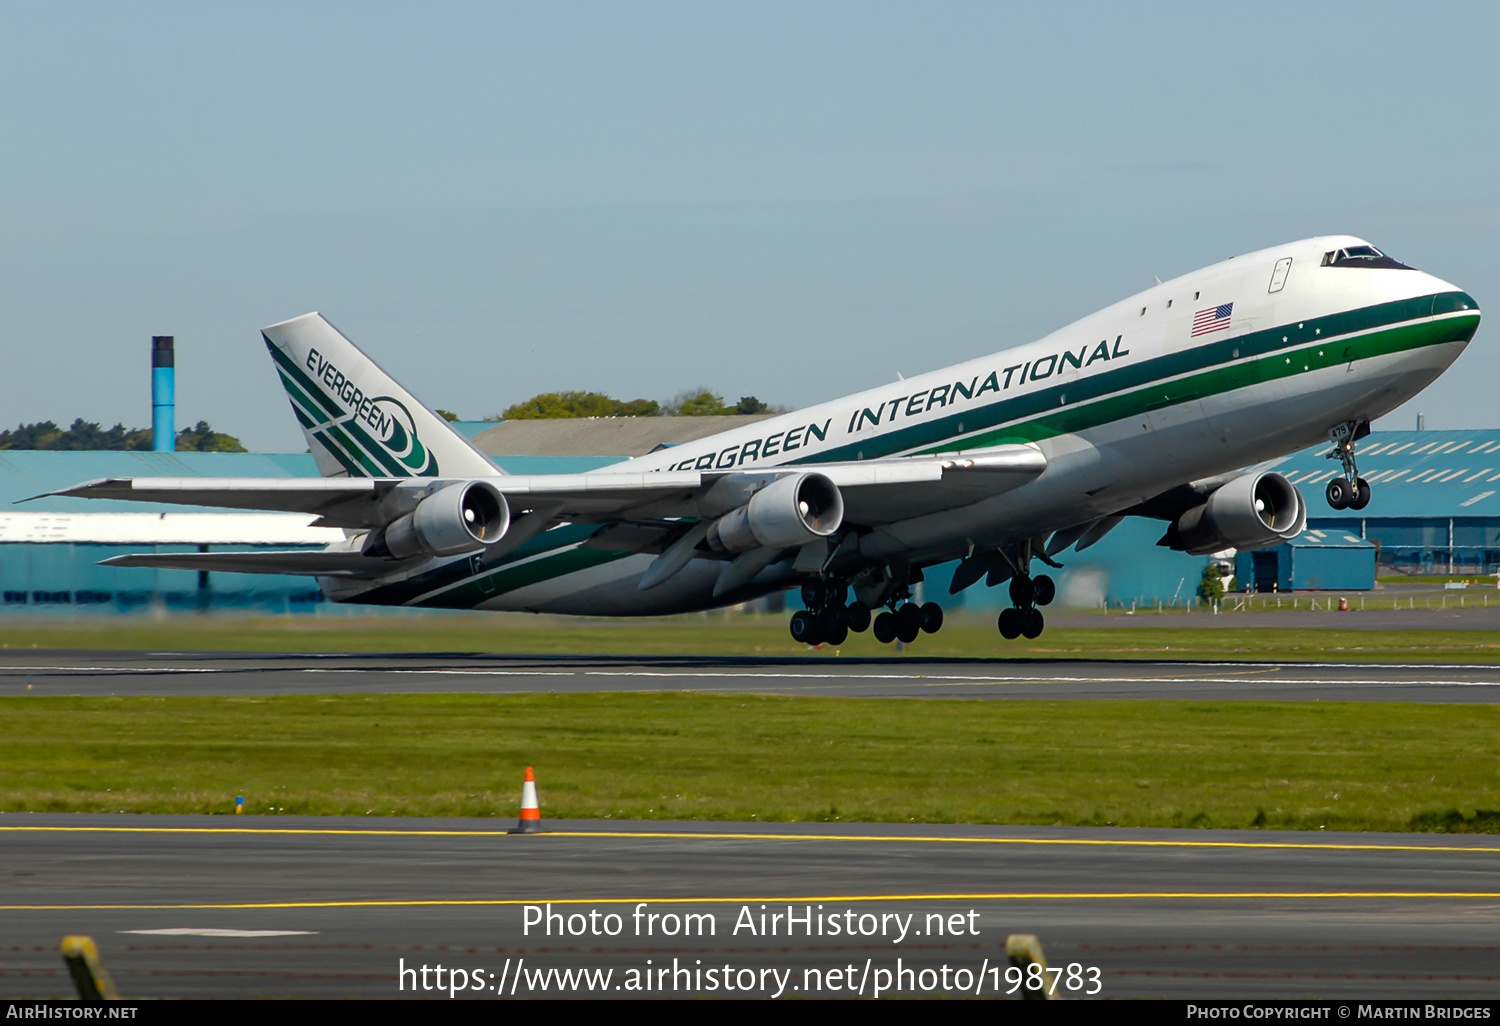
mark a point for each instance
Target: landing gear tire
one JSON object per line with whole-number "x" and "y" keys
{"x": 885, "y": 628}
{"x": 932, "y": 617}
{"x": 836, "y": 633}
{"x": 813, "y": 593}
{"x": 1031, "y": 623}
{"x": 1022, "y": 591}
{"x": 1361, "y": 497}
{"x": 1339, "y": 493}
{"x": 857, "y": 616}
{"x": 804, "y": 627}
{"x": 1010, "y": 624}
{"x": 909, "y": 622}
{"x": 1043, "y": 590}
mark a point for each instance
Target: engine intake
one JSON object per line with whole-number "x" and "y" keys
{"x": 789, "y": 512}
{"x": 1253, "y": 511}
{"x": 458, "y": 518}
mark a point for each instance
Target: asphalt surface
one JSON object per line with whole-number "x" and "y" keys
{"x": 175, "y": 673}
{"x": 214, "y": 906}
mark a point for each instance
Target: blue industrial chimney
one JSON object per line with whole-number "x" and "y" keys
{"x": 163, "y": 404}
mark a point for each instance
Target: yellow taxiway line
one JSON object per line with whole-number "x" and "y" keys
{"x": 793, "y": 900}
{"x": 689, "y": 835}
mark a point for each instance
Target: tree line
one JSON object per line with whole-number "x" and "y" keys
{"x": 86, "y": 435}
{"x": 690, "y": 403}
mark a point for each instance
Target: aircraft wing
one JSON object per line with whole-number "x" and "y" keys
{"x": 309, "y": 562}
{"x": 875, "y": 491}
{"x": 340, "y": 501}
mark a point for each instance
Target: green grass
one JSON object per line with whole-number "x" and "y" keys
{"x": 1179, "y": 636}
{"x": 1342, "y": 766}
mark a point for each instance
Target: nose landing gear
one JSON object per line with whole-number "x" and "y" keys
{"x": 1350, "y": 491}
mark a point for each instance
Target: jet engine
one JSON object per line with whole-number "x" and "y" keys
{"x": 458, "y": 518}
{"x": 789, "y": 512}
{"x": 1253, "y": 511}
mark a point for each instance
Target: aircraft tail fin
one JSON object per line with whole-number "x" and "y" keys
{"x": 358, "y": 421}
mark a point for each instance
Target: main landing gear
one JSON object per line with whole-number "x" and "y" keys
{"x": 827, "y": 620}
{"x": 1350, "y": 491}
{"x": 904, "y": 622}
{"x": 1024, "y": 619}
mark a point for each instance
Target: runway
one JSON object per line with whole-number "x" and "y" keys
{"x": 186, "y": 673}
{"x": 213, "y": 906}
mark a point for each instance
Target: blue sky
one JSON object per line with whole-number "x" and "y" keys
{"x": 792, "y": 200}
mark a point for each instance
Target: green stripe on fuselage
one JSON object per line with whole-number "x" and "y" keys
{"x": 1140, "y": 387}
{"x": 1288, "y": 363}
{"x": 501, "y": 573}
{"x": 487, "y": 585}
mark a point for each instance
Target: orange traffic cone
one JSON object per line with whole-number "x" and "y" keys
{"x": 531, "y": 812}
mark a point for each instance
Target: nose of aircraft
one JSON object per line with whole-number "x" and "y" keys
{"x": 1451, "y": 299}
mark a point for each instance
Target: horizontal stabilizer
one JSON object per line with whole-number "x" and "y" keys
{"x": 314, "y": 563}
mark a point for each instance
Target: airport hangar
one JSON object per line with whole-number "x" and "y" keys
{"x": 1435, "y": 509}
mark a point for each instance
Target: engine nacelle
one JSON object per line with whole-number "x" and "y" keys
{"x": 458, "y": 518}
{"x": 788, "y": 513}
{"x": 1253, "y": 511}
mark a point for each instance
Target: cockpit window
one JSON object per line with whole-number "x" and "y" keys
{"x": 1361, "y": 256}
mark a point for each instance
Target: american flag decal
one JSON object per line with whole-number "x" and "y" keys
{"x": 1215, "y": 318}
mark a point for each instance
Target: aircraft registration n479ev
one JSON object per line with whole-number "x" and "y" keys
{"x": 1159, "y": 406}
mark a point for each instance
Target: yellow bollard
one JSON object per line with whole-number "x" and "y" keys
{"x": 92, "y": 979}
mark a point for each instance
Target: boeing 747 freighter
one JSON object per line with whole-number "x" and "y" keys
{"x": 1159, "y": 406}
